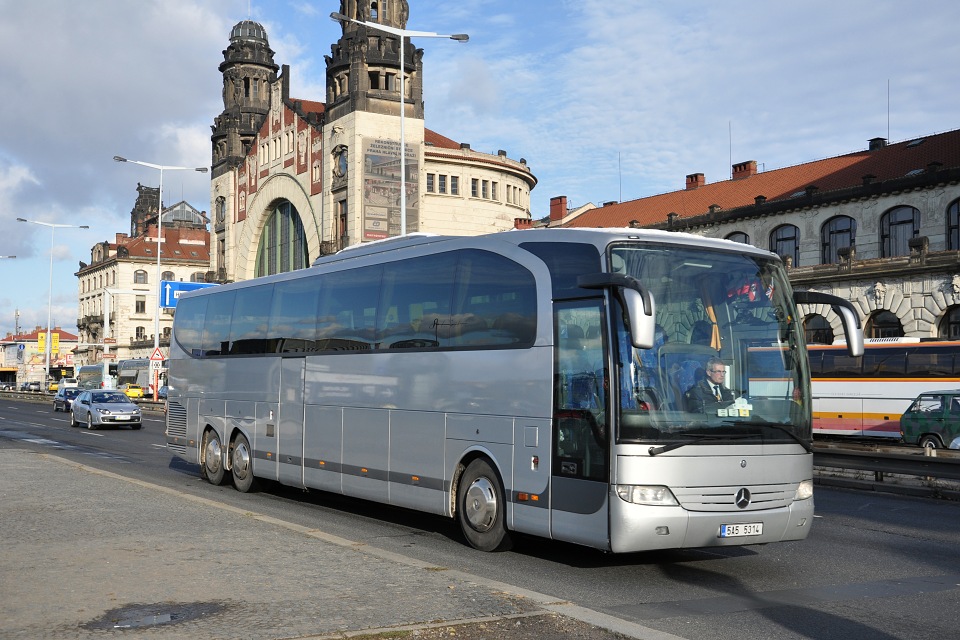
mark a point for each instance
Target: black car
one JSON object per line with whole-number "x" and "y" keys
{"x": 64, "y": 397}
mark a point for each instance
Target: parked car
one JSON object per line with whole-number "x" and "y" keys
{"x": 52, "y": 386}
{"x": 69, "y": 382}
{"x": 64, "y": 398}
{"x": 162, "y": 393}
{"x": 8, "y": 386}
{"x": 932, "y": 420}
{"x": 133, "y": 391}
{"x": 33, "y": 386}
{"x": 96, "y": 408}
{"x": 956, "y": 443}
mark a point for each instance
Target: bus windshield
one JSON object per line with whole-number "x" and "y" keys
{"x": 728, "y": 360}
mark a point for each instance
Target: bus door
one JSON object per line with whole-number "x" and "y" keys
{"x": 290, "y": 422}
{"x": 580, "y": 470}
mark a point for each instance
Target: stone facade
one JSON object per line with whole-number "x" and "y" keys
{"x": 127, "y": 268}
{"x": 880, "y": 228}
{"x": 331, "y": 169}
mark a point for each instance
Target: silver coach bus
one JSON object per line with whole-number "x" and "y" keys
{"x": 529, "y": 381}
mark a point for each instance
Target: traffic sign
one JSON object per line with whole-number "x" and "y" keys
{"x": 157, "y": 355}
{"x": 109, "y": 341}
{"x": 108, "y": 356}
{"x": 170, "y": 291}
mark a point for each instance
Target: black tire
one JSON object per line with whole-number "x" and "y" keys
{"x": 211, "y": 467}
{"x": 90, "y": 421}
{"x": 241, "y": 465}
{"x": 481, "y": 508}
{"x": 136, "y": 427}
{"x": 931, "y": 442}
{"x": 73, "y": 420}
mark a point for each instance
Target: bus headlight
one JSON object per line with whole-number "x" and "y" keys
{"x": 647, "y": 494}
{"x": 805, "y": 490}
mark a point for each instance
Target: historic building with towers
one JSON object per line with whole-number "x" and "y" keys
{"x": 295, "y": 179}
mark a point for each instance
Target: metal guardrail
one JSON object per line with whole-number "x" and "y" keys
{"x": 945, "y": 465}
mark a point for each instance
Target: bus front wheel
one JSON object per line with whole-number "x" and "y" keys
{"x": 241, "y": 465}
{"x": 212, "y": 466}
{"x": 481, "y": 508}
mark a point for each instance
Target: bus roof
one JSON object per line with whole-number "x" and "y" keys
{"x": 599, "y": 237}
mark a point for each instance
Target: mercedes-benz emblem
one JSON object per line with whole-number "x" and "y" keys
{"x": 743, "y": 498}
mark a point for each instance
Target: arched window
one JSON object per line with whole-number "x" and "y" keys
{"x": 739, "y": 236}
{"x": 817, "y": 330}
{"x": 837, "y": 233}
{"x": 897, "y": 226}
{"x": 953, "y": 226}
{"x": 785, "y": 242}
{"x": 139, "y": 277}
{"x": 168, "y": 276}
{"x": 283, "y": 244}
{"x": 883, "y": 324}
{"x": 949, "y": 328}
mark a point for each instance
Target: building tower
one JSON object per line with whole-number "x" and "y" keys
{"x": 248, "y": 70}
{"x": 362, "y": 70}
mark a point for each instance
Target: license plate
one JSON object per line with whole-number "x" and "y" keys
{"x": 123, "y": 417}
{"x": 740, "y": 530}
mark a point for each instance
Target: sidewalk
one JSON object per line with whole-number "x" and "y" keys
{"x": 89, "y": 554}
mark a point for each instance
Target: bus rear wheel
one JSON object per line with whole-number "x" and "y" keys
{"x": 241, "y": 465}
{"x": 211, "y": 467}
{"x": 481, "y": 508}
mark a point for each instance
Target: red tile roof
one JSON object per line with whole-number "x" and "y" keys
{"x": 435, "y": 139}
{"x": 831, "y": 174}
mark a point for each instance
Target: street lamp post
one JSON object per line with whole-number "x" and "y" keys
{"x": 161, "y": 167}
{"x": 403, "y": 34}
{"x": 53, "y": 228}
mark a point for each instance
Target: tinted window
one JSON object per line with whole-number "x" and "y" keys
{"x": 251, "y": 317}
{"x": 566, "y": 261}
{"x": 348, "y": 310}
{"x": 495, "y": 303}
{"x": 216, "y": 324}
{"x": 415, "y": 301}
{"x": 293, "y": 316}
{"x": 189, "y": 324}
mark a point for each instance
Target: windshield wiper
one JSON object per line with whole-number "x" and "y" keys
{"x": 699, "y": 437}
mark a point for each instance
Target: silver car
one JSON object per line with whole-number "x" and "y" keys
{"x": 96, "y": 408}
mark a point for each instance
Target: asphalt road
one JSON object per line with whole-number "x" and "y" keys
{"x": 876, "y": 566}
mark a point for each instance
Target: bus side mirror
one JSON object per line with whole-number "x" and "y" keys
{"x": 852, "y": 330}
{"x": 637, "y": 302}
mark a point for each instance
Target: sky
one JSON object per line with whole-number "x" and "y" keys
{"x": 606, "y": 100}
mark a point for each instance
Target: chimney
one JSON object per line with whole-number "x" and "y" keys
{"x": 609, "y": 202}
{"x": 696, "y": 180}
{"x": 465, "y": 145}
{"x": 558, "y": 208}
{"x": 877, "y": 143}
{"x": 522, "y": 223}
{"x": 744, "y": 169}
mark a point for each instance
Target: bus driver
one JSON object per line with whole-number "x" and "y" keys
{"x": 709, "y": 393}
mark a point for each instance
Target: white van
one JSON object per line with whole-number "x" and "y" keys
{"x": 67, "y": 383}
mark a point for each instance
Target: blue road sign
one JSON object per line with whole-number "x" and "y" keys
{"x": 170, "y": 291}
